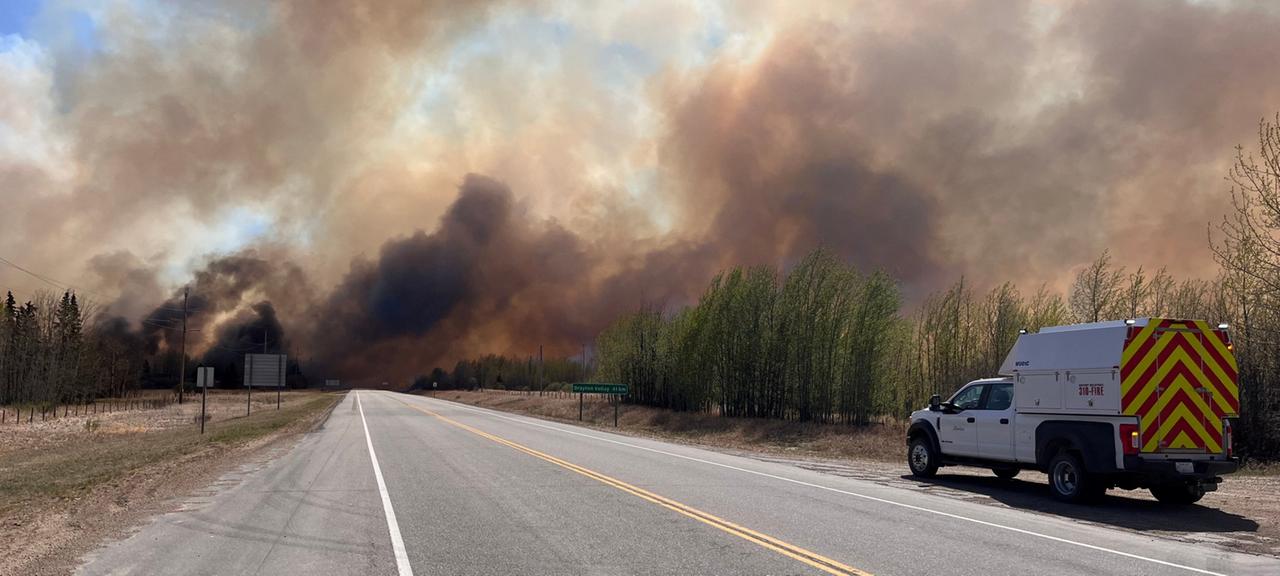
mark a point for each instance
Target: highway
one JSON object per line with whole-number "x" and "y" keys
{"x": 397, "y": 484}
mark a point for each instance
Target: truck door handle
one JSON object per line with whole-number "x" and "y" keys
{"x": 1004, "y": 420}
{"x": 970, "y": 420}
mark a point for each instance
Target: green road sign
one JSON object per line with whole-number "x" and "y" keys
{"x": 592, "y": 388}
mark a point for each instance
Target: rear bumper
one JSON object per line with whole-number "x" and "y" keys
{"x": 1167, "y": 470}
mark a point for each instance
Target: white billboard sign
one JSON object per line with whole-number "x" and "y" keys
{"x": 264, "y": 370}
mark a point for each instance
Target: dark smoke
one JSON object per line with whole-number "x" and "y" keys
{"x": 488, "y": 276}
{"x": 248, "y": 286}
{"x": 256, "y": 330}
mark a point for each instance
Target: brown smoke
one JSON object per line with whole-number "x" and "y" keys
{"x": 993, "y": 139}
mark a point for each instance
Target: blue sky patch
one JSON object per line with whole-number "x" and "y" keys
{"x": 16, "y": 15}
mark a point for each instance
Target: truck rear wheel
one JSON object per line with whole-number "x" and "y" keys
{"x": 1070, "y": 482}
{"x": 1178, "y": 493}
{"x": 922, "y": 458}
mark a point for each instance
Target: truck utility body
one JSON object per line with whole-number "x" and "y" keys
{"x": 1143, "y": 403}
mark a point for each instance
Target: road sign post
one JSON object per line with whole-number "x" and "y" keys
{"x": 204, "y": 379}
{"x": 617, "y": 391}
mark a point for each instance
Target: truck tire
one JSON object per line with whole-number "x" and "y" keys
{"x": 1005, "y": 473}
{"x": 922, "y": 458}
{"x": 1178, "y": 493}
{"x": 1070, "y": 482}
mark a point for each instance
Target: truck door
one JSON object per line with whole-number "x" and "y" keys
{"x": 957, "y": 432}
{"x": 994, "y": 421}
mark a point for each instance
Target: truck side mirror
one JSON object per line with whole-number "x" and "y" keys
{"x": 935, "y": 403}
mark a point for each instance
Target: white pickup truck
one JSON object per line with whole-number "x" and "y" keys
{"x": 1142, "y": 403}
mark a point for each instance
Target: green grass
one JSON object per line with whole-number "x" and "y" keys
{"x": 29, "y": 479}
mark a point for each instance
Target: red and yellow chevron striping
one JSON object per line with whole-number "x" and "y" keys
{"x": 1180, "y": 378}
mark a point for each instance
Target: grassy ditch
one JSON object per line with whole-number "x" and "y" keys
{"x": 881, "y": 442}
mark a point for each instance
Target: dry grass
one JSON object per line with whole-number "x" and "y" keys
{"x": 63, "y": 492}
{"x": 1256, "y": 468}
{"x": 74, "y": 459}
{"x": 882, "y": 442}
{"x": 222, "y": 406}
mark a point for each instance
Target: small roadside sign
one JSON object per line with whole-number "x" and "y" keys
{"x": 204, "y": 381}
{"x": 593, "y": 388}
{"x": 204, "y": 377}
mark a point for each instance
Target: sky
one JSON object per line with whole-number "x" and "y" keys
{"x": 451, "y": 178}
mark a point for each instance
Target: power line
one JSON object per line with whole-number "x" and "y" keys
{"x": 251, "y": 348}
{"x": 65, "y": 286}
{"x": 40, "y": 277}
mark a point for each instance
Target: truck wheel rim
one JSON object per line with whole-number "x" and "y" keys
{"x": 919, "y": 457}
{"x": 1064, "y": 477}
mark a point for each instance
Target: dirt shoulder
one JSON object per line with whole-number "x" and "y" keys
{"x": 1243, "y": 515}
{"x": 68, "y": 487}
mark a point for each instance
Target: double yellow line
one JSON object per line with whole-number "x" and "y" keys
{"x": 789, "y": 550}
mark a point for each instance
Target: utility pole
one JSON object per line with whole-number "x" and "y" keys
{"x": 541, "y": 385}
{"x": 182, "y": 372}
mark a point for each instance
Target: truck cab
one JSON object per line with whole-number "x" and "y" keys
{"x": 976, "y": 421}
{"x": 1145, "y": 403}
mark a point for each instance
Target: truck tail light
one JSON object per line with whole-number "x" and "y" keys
{"x": 1129, "y": 438}
{"x": 1230, "y": 444}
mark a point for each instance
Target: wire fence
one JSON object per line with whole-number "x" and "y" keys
{"x": 20, "y": 414}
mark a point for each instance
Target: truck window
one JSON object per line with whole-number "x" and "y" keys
{"x": 1000, "y": 397}
{"x": 969, "y": 398}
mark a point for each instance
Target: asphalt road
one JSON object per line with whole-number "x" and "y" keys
{"x": 397, "y": 484}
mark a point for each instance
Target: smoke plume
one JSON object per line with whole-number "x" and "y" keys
{"x": 385, "y": 186}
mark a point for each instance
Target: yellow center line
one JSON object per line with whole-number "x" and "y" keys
{"x": 786, "y": 549}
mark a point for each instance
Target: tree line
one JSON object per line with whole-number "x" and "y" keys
{"x": 826, "y": 343}
{"x": 57, "y": 350}
{"x": 507, "y": 373}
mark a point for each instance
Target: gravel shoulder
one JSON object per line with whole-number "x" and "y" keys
{"x": 1242, "y": 516}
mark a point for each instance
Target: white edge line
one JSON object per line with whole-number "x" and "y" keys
{"x": 532, "y": 422}
{"x": 397, "y": 542}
